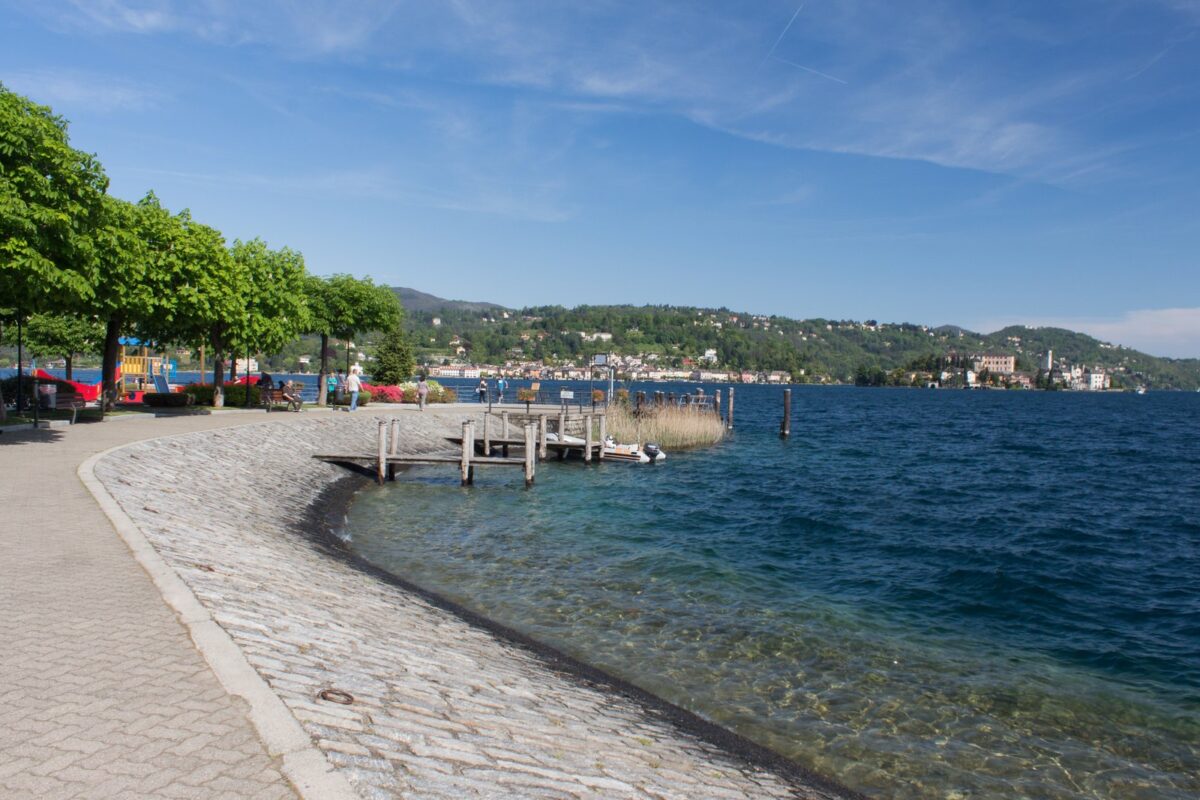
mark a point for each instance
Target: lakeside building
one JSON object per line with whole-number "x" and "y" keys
{"x": 996, "y": 363}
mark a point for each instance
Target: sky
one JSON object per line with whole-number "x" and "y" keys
{"x": 976, "y": 163}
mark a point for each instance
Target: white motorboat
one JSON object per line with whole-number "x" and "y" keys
{"x": 641, "y": 454}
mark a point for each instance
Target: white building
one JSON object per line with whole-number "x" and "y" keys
{"x": 996, "y": 364}
{"x": 710, "y": 355}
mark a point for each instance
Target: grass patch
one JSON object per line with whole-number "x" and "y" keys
{"x": 670, "y": 427}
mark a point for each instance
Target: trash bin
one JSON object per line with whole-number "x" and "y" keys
{"x": 47, "y": 395}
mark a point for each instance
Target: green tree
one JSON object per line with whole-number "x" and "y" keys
{"x": 341, "y": 306}
{"x": 62, "y": 335}
{"x": 275, "y": 298}
{"x": 394, "y": 362}
{"x": 123, "y": 294}
{"x": 50, "y": 196}
{"x": 199, "y": 290}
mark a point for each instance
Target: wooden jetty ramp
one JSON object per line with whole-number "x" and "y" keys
{"x": 387, "y": 455}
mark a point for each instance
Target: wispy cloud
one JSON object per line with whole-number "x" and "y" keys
{"x": 69, "y": 89}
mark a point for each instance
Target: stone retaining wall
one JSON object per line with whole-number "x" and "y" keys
{"x": 442, "y": 708}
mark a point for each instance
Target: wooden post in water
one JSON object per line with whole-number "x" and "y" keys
{"x": 670, "y": 398}
{"x": 785, "y": 427}
{"x": 487, "y": 434}
{"x": 467, "y": 436}
{"x": 393, "y": 447}
{"x": 530, "y": 459}
{"x": 504, "y": 431}
{"x": 729, "y": 412}
{"x": 641, "y": 398}
{"x": 603, "y": 434}
{"x": 381, "y": 440}
{"x": 543, "y": 422}
{"x": 717, "y": 403}
{"x": 562, "y": 424}
{"x": 587, "y": 438}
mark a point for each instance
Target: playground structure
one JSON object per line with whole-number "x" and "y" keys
{"x": 139, "y": 370}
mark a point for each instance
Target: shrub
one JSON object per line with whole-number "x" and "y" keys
{"x": 526, "y": 395}
{"x": 597, "y": 395}
{"x": 168, "y": 399}
{"x": 672, "y": 427}
{"x": 623, "y": 396}
{"x": 364, "y": 397}
{"x": 407, "y": 393}
{"x": 235, "y": 394}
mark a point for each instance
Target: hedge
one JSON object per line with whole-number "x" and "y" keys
{"x": 168, "y": 399}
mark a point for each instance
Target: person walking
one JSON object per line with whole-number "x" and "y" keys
{"x": 422, "y": 393}
{"x": 339, "y": 386}
{"x": 501, "y": 386}
{"x": 482, "y": 390}
{"x": 353, "y": 386}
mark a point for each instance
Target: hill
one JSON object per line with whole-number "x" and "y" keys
{"x": 414, "y": 301}
{"x": 810, "y": 349}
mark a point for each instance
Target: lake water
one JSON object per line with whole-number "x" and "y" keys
{"x": 921, "y": 593}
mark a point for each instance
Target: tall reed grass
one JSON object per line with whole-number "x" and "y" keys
{"x": 671, "y": 427}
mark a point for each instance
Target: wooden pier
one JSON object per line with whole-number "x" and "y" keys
{"x": 387, "y": 456}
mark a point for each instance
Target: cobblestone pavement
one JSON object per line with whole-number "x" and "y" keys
{"x": 102, "y": 693}
{"x": 441, "y": 709}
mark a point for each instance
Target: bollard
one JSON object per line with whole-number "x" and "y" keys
{"x": 467, "y": 436}
{"x": 393, "y": 447}
{"x": 542, "y": 424}
{"x": 603, "y": 434}
{"x": 729, "y": 412}
{"x": 587, "y": 438}
{"x": 785, "y": 427}
{"x": 717, "y": 403}
{"x": 381, "y": 439}
{"x": 487, "y": 434}
{"x": 529, "y": 455}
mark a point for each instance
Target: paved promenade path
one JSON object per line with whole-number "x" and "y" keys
{"x": 102, "y": 692}
{"x": 186, "y": 648}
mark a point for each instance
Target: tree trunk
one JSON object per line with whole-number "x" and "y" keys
{"x": 218, "y": 378}
{"x": 108, "y": 364}
{"x": 322, "y": 378}
{"x": 69, "y": 358}
{"x": 347, "y": 356}
{"x": 3, "y": 408}
{"x": 233, "y": 367}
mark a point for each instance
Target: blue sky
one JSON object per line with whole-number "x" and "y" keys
{"x": 979, "y": 163}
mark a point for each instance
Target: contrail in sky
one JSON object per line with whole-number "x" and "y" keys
{"x": 808, "y": 69}
{"x": 786, "y": 28}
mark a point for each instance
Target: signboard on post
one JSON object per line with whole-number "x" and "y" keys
{"x": 566, "y": 394}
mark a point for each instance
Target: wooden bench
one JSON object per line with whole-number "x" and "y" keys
{"x": 64, "y": 401}
{"x": 275, "y": 397}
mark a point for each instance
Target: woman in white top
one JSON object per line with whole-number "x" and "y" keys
{"x": 353, "y": 386}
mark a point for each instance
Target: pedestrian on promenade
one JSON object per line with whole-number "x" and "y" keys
{"x": 331, "y": 387}
{"x": 422, "y": 393}
{"x": 353, "y": 386}
{"x": 339, "y": 386}
{"x": 501, "y": 385}
{"x": 482, "y": 390}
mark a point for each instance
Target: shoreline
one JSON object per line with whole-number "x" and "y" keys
{"x": 395, "y": 742}
{"x": 342, "y": 492}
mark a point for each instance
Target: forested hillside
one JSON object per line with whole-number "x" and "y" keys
{"x": 810, "y": 349}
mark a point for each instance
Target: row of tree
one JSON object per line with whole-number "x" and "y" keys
{"x": 71, "y": 252}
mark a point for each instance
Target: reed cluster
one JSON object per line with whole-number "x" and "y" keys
{"x": 671, "y": 427}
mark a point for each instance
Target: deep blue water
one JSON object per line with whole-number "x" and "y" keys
{"x": 921, "y": 593}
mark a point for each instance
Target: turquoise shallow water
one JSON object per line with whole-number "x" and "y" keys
{"x": 922, "y": 594}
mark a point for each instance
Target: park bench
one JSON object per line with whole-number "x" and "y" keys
{"x": 275, "y": 397}
{"x": 64, "y": 401}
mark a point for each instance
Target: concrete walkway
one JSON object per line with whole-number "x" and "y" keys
{"x": 102, "y": 692}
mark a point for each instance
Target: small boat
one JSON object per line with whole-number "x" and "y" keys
{"x": 648, "y": 454}
{"x": 1141, "y": 390}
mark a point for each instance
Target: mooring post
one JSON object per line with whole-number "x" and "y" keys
{"x": 641, "y": 398}
{"x": 670, "y": 398}
{"x": 381, "y": 439}
{"x": 729, "y": 412}
{"x": 562, "y": 423}
{"x": 785, "y": 427}
{"x": 529, "y": 455}
{"x": 717, "y": 403}
{"x": 393, "y": 447}
{"x": 487, "y": 434}
{"x": 543, "y": 421}
{"x": 603, "y": 434}
{"x": 587, "y": 438}
{"x": 467, "y": 436}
